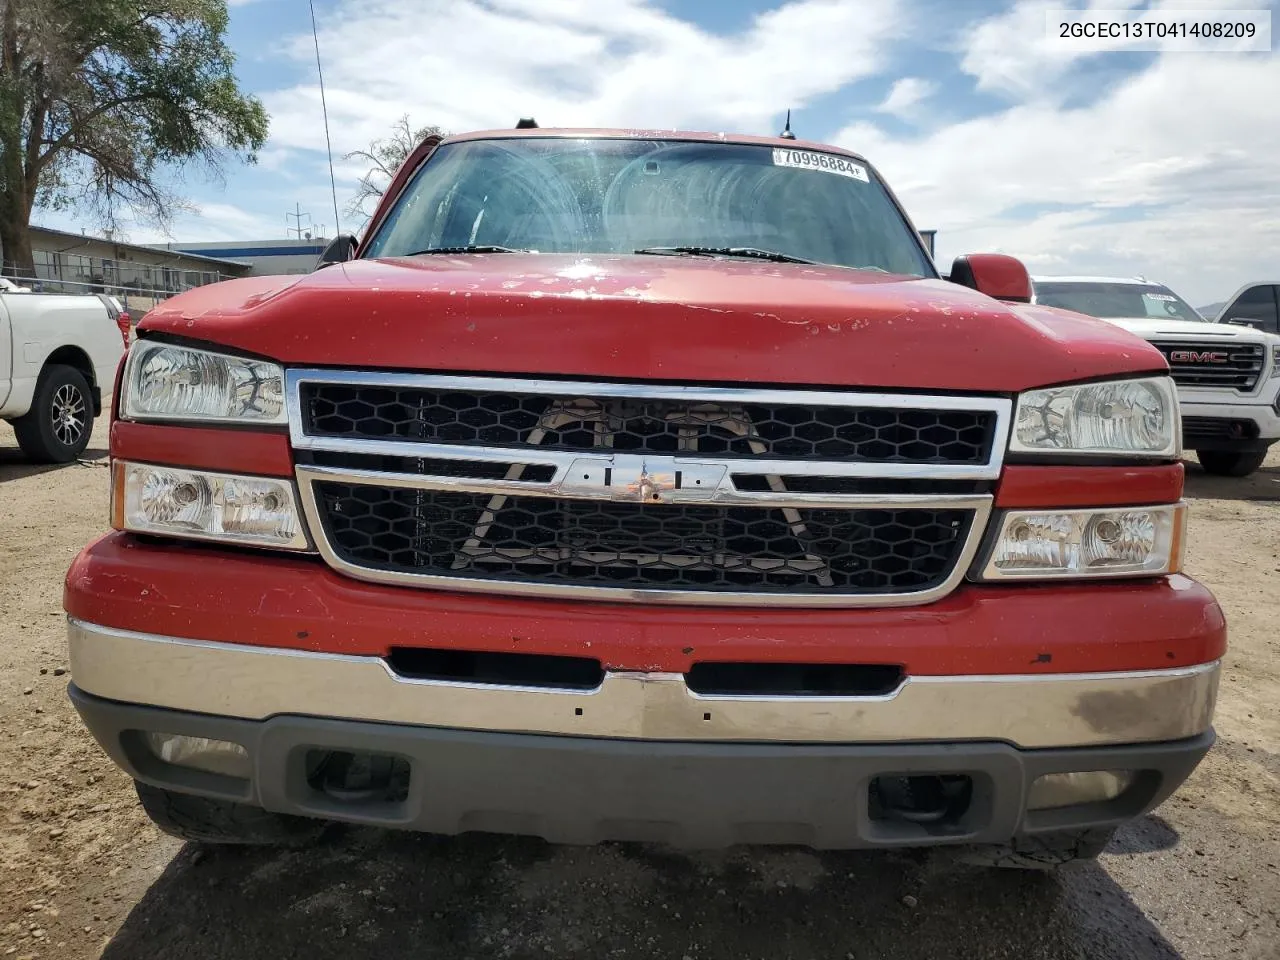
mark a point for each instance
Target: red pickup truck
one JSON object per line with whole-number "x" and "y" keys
{"x": 645, "y": 486}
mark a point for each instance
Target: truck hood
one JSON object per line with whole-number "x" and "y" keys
{"x": 652, "y": 317}
{"x": 1155, "y": 328}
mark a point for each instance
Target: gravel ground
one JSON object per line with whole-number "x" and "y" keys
{"x": 83, "y": 874}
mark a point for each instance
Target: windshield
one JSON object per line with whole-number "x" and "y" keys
{"x": 611, "y": 196}
{"x": 1116, "y": 300}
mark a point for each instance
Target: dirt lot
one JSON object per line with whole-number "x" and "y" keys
{"x": 83, "y": 874}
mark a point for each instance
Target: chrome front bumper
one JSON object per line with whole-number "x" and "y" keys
{"x": 1026, "y": 710}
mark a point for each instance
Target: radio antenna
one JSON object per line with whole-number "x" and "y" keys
{"x": 786, "y": 133}
{"x": 324, "y": 109}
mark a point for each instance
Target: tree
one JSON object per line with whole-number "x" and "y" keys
{"x": 386, "y": 156}
{"x": 99, "y": 97}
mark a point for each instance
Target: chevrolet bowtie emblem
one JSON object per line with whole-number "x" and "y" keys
{"x": 650, "y": 486}
{"x": 629, "y": 478}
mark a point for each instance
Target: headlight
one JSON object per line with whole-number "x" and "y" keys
{"x": 167, "y": 382}
{"x": 256, "y": 511}
{"x": 1128, "y": 541}
{"x": 1118, "y": 417}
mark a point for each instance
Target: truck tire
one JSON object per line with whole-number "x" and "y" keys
{"x": 1227, "y": 463}
{"x": 1046, "y": 851}
{"x": 57, "y": 427}
{"x": 206, "y": 820}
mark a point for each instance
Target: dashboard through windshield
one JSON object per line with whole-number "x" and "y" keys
{"x": 1116, "y": 300}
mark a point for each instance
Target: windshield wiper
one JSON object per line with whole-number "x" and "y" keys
{"x": 469, "y": 248}
{"x": 754, "y": 253}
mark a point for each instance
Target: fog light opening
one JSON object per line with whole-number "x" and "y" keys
{"x": 1055, "y": 790}
{"x": 357, "y": 777}
{"x": 931, "y": 799}
{"x": 220, "y": 757}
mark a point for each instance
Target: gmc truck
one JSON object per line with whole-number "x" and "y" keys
{"x": 648, "y": 486}
{"x": 1228, "y": 374}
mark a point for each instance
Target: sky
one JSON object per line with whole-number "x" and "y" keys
{"x": 1165, "y": 165}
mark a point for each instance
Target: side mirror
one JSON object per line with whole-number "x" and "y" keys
{"x": 996, "y": 275}
{"x": 339, "y": 250}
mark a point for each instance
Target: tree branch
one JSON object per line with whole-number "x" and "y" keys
{"x": 65, "y": 141}
{"x": 366, "y": 155}
{"x": 102, "y": 40}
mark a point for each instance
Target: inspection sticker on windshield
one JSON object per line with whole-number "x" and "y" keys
{"x": 810, "y": 160}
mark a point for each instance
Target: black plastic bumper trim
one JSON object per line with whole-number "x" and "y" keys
{"x": 694, "y": 795}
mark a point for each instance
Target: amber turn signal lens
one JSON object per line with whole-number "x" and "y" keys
{"x": 117, "y": 495}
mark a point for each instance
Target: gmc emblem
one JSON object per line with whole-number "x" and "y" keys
{"x": 1197, "y": 356}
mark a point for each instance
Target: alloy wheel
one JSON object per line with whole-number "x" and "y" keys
{"x": 69, "y": 419}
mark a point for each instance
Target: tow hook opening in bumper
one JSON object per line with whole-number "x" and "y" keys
{"x": 936, "y": 802}
{"x": 358, "y": 777}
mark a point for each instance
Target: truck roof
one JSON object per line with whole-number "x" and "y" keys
{"x": 1133, "y": 280}
{"x": 1136, "y": 281}
{"x": 648, "y": 134}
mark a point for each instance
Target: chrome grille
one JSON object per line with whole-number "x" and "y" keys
{"x": 644, "y": 492}
{"x": 677, "y": 546}
{"x": 571, "y": 421}
{"x": 1225, "y": 365}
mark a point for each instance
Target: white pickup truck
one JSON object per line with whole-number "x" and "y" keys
{"x": 58, "y": 358}
{"x": 1228, "y": 374}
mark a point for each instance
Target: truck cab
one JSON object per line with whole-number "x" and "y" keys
{"x": 1255, "y": 305}
{"x": 639, "y": 485}
{"x": 1228, "y": 374}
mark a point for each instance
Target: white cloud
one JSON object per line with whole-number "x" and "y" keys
{"x": 1170, "y": 173}
{"x": 465, "y": 65}
{"x": 1014, "y": 53}
{"x": 906, "y": 95}
{"x": 226, "y": 221}
{"x": 197, "y": 223}
{"x": 277, "y": 159}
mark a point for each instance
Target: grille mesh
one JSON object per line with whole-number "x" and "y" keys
{"x": 1231, "y": 366}
{"x": 603, "y": 543}
{"x": 652, "y": 426}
